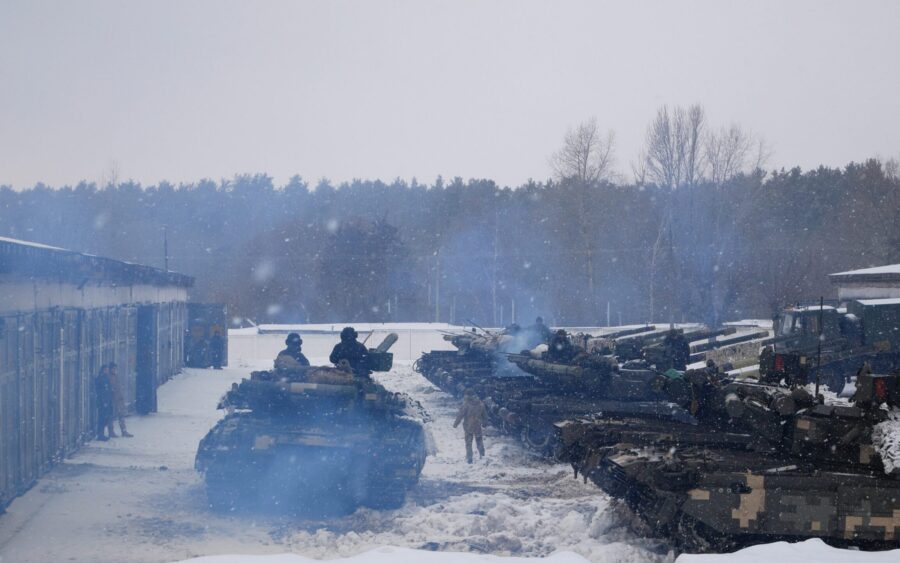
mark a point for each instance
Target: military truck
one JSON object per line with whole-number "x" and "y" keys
{"x": 319, "y": 441}
{"x": 833, "y": 342}
{"x": 763, "y": 463}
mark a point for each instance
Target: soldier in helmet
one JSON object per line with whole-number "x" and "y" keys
{"x": 538, "y": 333}
{"x": 678, "y": 349}
{"x": 473, "y": 416}
{"x": 352, "y": 351}
{"x": 291, "y": 357}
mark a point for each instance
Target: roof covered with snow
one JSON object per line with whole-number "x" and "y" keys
{"x": 886, "y": 301}
{"x": 35, "y": 260}
{"x": 890, "y": 272}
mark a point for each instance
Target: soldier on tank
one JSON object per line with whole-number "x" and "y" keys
{"x": 352, "y": 351}
{"x": 291, "y": 357}
{"x": 473, "y": 416}
{"x": 678, "y": 348}
{"x": 560, "y": 348}
{"x": 540, "y": 331}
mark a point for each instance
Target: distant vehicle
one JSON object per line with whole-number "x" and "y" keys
{"x": 866, "y": 331}
{"x": 319, "y": 441}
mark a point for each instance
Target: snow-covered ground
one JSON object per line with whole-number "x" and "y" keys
{"x": 140, "y": 500}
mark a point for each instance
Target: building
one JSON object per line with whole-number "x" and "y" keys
{"x": 882, "y": 282}
{"x": 63, "y": 314}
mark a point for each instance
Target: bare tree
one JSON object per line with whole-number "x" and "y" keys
{"x": 639, "y": 169}
{"x": 673, "y": 151}
{"x": 587, "y": 155}
{"x": 733, "y": 150}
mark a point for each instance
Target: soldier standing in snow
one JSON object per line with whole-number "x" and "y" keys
{"x": 103, "y": 401}
{"x": 216, "y": 349}
{"x": 118, "y": 403}
{"x": 473, "y": 416}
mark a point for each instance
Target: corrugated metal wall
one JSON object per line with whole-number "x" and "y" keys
{"x": 47, "y": 363}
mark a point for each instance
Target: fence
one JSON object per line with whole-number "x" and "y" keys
{"x": 47, "y": 363}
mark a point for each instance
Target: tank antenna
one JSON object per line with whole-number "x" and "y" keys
{"x": 819, "y": 343}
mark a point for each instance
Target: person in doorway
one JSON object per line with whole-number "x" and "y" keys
{"x": 103, "y": 403}
{"x": 118, "y": 396}
{"x": 473, "y": 416}
{"x": 216, "y": 349}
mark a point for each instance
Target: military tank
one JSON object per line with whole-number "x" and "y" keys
{"x": 478, "y": 356}
{"x": 319, "y": 441}
{"x": 763, "y": 463}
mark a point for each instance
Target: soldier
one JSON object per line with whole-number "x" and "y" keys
{"x": 291, "y": 357}
{"x": 351, "y": 351}
{"x": 540, "y": 332}
{"x": 217, "y": 349}
{"x": 560, "y": 348}
{"x": 103, "y": 400}
{"x": 678, "y": 348}
{"x": 473, "y": 416}
{"x": 118, "y": 396}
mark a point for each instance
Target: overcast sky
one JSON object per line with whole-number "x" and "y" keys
{"x": 182, "y": 90}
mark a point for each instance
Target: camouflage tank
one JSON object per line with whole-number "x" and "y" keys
{"x": 763, "y": 463}
{"x": 313, "y": 440}
{"x": 478, "y": 355}
{"x": 572, "y": 375}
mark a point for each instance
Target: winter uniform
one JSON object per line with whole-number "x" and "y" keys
{"x": 538, "y": 333}
{"x": 354, "y": 352}
{"x": 216, "y": 350}
{"x": 473, "y": 416}
{"x": 291, "y": 357}
{"x": 560, "y": 348}
{"x": 678, "y": 348}
{"x": 103, "y": 399}
{"x": 118, "y": 411}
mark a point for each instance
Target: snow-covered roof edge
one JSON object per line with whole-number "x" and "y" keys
{"x": 890, "y": 270}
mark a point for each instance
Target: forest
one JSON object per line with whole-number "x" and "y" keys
{"x": 701, "y": 231}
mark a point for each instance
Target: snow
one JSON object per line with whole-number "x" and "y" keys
{"x": 390, "y": 555}
{"x": 885, "y": 301}
{"x": 888, "y": 269}
{"x": 886, "y": 439}
{"x": 32, "y": 244}
{"x": 140, "y": 500}
{"x": 783, "y": 552}
{"x": 759, "y": 323}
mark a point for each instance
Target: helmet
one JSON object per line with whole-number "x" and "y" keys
{"x": 539, "y": 320}
{"x": 348, "y": 333}
{"x": 293, "y": 338}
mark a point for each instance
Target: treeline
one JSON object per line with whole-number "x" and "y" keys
{"x": 579, "y": 249}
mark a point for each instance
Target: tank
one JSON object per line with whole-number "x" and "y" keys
{"x": 478, "y": 355}
{"x": 573, "y": 376}
{"x": 763, "y": 463}
{"x": 313, "y": 440}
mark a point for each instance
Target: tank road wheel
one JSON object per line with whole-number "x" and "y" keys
{"x": 833, "y": 378}
{"x": 536, "y": 438}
